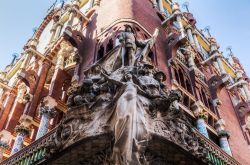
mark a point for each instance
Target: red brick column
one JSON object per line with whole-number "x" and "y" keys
{"x": 7, "y": 109}
{"x": 39, "y": 88}
{"x": 17, "y": 111}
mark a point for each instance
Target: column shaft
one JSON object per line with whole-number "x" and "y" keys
{"x": 197, "y": 43}
{"x": 161, "y": 6}
{"x": 201, "y": 126}
{"x": 225, "y": 145}
{"x": 18, "y": 143}
{"x": 179, "y": 21}
{"x": 220, "y": 64}
{"x": 44, "y": 125}
{"x": 25, "y": 61}
{"x": 190, "y": 36}
{"x": 58, "y": 31}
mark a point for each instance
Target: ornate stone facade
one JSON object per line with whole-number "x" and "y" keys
{"x": 139, "y": 86}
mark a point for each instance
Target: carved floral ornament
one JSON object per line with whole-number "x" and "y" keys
{"x": 109, "y": 101}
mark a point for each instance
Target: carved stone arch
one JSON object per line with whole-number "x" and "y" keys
{"x": 29, "y": 77}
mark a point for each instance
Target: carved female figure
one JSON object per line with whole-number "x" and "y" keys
{"x": 129, "y": 123}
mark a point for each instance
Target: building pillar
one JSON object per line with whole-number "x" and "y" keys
{"x": 190, "y": 35}
{"x": 22, "y": 132}
{"x": 39, "y": 87}
{"x": 58, "y": 31}
{"x": 54, "y": 27}
{"x": 220, "y": 64}
{"x": 161, "y": 8}
{"x": 72, "y": 15}
{"x": 215, "y": 52}
{"x": 196, "y": 42}
{"x": 201, "y": 116}
{"x": 177, "y": 11}
{"x": 244, "y": 85}
{"x": 223, "y": 135}
{"x": 47, "y": 111}
{"x": 201, "y": 126}
{"x": 25, "y": 61}
{"x": 8, "y": 106}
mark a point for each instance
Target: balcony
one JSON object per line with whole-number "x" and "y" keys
{"x": 32, "y": 154}
{"x": 70, "y": 62}
{"x": 36, "y": 152}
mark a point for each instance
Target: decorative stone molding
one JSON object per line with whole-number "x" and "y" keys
{"x": 198, "y": 110}
{"x": 22, "y": 129}
{"x": 220, "y": 125}
{"x": 25, "y": 121}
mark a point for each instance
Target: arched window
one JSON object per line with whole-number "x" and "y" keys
{"x": 177, "y": 76}
{"x": 182, "y": 82}
{"x": 188, "y": 85}
{"x": 110, "y": 45}
{"x": 100, "y": 52}
{"x": 204, "y": 98}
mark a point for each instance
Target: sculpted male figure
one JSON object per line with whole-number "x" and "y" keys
{"x": 129, "y": 43}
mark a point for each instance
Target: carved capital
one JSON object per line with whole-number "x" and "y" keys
{"x": 22, "y": 129}
{"x": 4, "y": 145}
{"x": 223, "y": 133}
{"x": 33, "y": 42}
{"x": 51, "y": 112}
{"x": 26, "y": 120}
{"x": 176, "y": 8}
{"x": 220, "y": 125}
{"x": 198, "y": 110}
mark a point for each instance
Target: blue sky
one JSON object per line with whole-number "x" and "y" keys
{"x": 228, "y": 19}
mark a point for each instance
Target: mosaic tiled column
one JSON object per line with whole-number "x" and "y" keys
{"x": 201, "y": 116}
{"x": 22, "y": 132}
{"x": 224, "y": 142}
{"x": 201, "y": 126}
{"x": 223, "y": 136}
{"x": 46, "y": 114}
